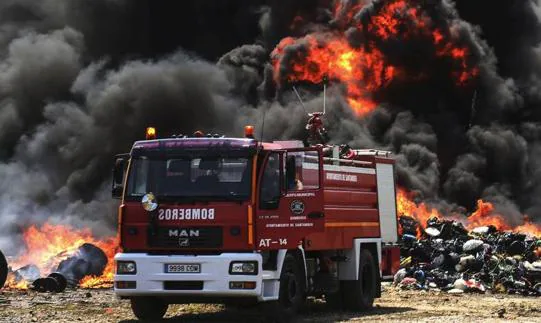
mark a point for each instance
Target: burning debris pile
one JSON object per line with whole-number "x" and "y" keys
{"x": 444, "y": 254}
{"x": 58, "y": 257}
{"x": 86, "y": 260}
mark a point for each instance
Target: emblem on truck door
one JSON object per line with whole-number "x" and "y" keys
{"x": 149, "y": 202}
{"x": 297, "y": 207}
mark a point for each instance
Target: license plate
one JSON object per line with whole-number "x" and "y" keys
{"x": 182, "y": 268}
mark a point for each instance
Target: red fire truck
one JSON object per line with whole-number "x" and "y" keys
{"x": 205, "y": 218}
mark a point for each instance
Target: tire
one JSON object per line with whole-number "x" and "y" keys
{"x": 360, "y": 294}
{"x": 292, "y": 294}
{"x": 3, "y": 270}
{"x": 148, "y": 308}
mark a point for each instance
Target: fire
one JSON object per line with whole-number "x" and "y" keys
{"x": 361, "y": 65}
{"x": 110, "y": 248}
{"x": 438, "y": 37}
{"x": 484, "y": 215}
{"x": 420, "y": 212}
{"x": 530, "y": 228}
{"x": 361, "y": 71}
{"x": 394, "y": 18}
{"x": 50, "y": 244}
{"x": 14, "y": 284}
{"x": 460, "y": 57}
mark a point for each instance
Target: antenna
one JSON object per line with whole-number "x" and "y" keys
{"x": 263, "y": 127}
{"x": 298, "y": 96}
{"x": 325, "y": 80}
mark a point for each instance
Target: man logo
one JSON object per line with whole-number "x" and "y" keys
{"x": 183, "y": 233}
{"x": 184, "y": 242}
{"x": 297, "y": 207}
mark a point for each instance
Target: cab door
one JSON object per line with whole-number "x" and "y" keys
{"x": 289, "y": 198}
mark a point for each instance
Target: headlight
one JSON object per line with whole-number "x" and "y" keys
{"x": 243, "y": 268}
{"x": 126, "y": 268}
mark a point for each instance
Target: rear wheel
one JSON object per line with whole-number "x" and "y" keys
{"x": 148, "y": 308}
{"x": 360, "y": 294}
{"x": 3, "y": 269}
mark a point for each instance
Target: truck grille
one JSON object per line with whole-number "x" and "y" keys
{"x": 187, "y": 237}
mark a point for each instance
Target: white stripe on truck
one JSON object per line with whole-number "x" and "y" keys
{"x": 335, "y": 168}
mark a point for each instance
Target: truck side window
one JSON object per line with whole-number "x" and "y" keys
{"x": 270, "y": 183}
{"x": 293, "y": 181}
{"x": 137, "y": 182}
{"x": 302, "y": 171}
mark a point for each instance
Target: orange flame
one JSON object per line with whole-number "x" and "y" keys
{"x": 530, "y": 228}
{"x": 394, "y": 18}
{"x": 484, "y": 215}
{"x": 47, "y": 246}
{"x": 12, "y": 282}
{"x": 362, "y": 71}
{"x": 460, "y": 57}
{"x": 365, "y": 69}
{"x": 420, "y": 212}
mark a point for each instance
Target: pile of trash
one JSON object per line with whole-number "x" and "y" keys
{"x": 450, "y": 258}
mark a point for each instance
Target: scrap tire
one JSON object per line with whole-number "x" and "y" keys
{"x": 292, "y": 294}
{"x": 360, "y": 294}
{"x": 3, "y": 270}
{"x": 148, "y": 308}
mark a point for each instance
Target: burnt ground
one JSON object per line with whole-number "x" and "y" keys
{"x": 395, "y": 305}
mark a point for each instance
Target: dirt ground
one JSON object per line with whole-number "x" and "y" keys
{"x": 395, "y": 305}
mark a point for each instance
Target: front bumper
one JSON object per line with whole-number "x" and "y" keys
{"x": 151, "y": 279}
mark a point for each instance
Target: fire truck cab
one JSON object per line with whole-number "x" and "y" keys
{"x": 211, "y": 219}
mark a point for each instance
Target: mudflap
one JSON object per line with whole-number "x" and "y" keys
{"x": 390, "y": 261}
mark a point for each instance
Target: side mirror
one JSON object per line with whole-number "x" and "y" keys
{"x": 119, "y": 171}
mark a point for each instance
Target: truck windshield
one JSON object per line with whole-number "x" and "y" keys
{"x": 210, "y": 177}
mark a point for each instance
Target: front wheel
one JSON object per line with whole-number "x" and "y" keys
{"x": 148, "y": 308}
{"x": 292, "y": 294}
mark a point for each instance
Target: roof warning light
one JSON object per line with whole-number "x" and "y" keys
{"x": 249, "y": 131}
{"x": 151, "y": 133}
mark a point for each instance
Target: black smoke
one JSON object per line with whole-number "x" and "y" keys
{"x": 454, "y": 143}
{"x": 80, "y": 80}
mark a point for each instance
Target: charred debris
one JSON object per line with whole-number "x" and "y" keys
{"x": 445, "y": 256}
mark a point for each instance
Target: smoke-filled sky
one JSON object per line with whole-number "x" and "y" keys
{"x": 81, "y": 79}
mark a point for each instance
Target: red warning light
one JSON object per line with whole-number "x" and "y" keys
{"x": 249, "y": 131}
{"x": 198, "y": 134}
